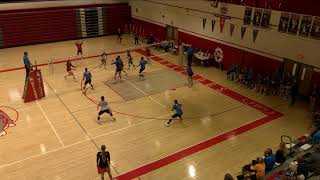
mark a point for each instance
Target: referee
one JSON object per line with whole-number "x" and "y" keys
{"x": 27, "y": 64}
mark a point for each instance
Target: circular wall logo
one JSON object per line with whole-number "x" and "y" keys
{"x": 218, "y": 55}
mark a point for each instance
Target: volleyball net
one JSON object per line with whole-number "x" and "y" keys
{"x": 93, "y": 60}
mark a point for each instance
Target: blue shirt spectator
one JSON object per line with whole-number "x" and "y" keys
{"x": 190, "y": 51}
{"x": 269, "y": 161}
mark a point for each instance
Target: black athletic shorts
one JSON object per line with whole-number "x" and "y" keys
{"x": 105, "y": 111}
{"x": 87, "y": 82}
{"x": 177, "y": 115}
{"x": 141, "y": 70}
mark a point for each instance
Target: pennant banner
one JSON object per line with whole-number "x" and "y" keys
{"x": 231, "y": 29}
{"x": 255, "y": 34}
{"x": 213, "y": 23}
{"x": 243, "y": 31}
{"x": 222, "y": 21}
{"x": 204, "y": 21}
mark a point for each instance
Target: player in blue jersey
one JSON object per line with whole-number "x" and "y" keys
{"x": 178, "y": 112}
{"x": 142, "y": 65}
{"x": 87, "y": 78}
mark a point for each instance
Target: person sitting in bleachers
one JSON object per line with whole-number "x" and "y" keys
{"x": 258, "y": 83}
{"x": 243, "y": 74}
{"x": 259, "y": 168}
{"x": 265, "y": 85}
{"x": 269, "y": 159}
{"x": 281, "y": 153}
{"x": 248, "y": 79}
{"x": 232, "y": 70}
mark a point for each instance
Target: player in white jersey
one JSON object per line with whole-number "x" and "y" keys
{"x": 104, "y": 108}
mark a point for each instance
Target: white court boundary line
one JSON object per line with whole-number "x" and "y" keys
{"x": 55, "y": 132}
{"x": 76, "y": 143}
{"x": 146, "y": 94}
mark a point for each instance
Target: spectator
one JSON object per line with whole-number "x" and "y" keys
{"x": 228, "y": 177}
{"x": 269, "y": 159}
{"x": 302, "y": 168}
{"x": 231, "y": 70}
{"x": 281, "y": 153}
{"x": 313, "y": 162}
{"x": 294, "y": 92}
{"x": 316, "y": 138}
{"x": 260, "y": 169}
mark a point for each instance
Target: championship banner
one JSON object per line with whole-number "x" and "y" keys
{"x": 213, "y": 23}
{"x": 305, "y": 26}
{"x": 204, "y": 22}
{"x": 243, "y": 31}
{"x": 255, "y": 34}
{"x": 247, "y": 16}
{"x": 284, "y": 22}
{"x": 231, "y": 29}
{"x": 315, "y": 31}
{"x": 294, "y": 24}
{"x": 222, "y": 21}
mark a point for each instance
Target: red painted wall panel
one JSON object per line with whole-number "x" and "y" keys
{"x": 160, "y": 32}
{"x": 116, "y": 17}
{"x": 233, "y": 55}
{"x": 23, "y": 28}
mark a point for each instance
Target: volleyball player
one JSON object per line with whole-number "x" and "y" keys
{"x": 103, "y": 162}
{"x": 142, "y": 65}
{"x": 104, "y": 108}
{"x": 148, "y": 54}
{"x": 130, "y": 62}
{"x": 87, "y": 78}
{"x": 190, "y": 74}
{"x": 79, "y": 48}
{"x": 122, "y": 66}
{"x": 103, "y": 60}
{"x": 178, "y": 112}
{"x": 70, "y": 67}
{"x": 119, "y": 67}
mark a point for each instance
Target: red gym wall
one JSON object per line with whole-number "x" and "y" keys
{"x": 32, "y": 26}
{"x": 231, "y": 55}
{"x": 150, "y": 28}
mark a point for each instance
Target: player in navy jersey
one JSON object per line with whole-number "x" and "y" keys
{"x": 178, "y": 112}
{"x": 87, "y": 78}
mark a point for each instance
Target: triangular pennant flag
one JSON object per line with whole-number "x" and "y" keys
{"x": 255, "y": 34}
{"x": 222, "y": 21}
{"x": 204, "y": 21}
{"x": 213, "y": 23}
{"x": 231, "y": 29}
{"x": 243, "y": 30}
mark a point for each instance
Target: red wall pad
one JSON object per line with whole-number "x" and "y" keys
{"x": 159, "y": 32}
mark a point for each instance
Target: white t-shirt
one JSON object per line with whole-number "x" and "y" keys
{"x": 103, "y": 105}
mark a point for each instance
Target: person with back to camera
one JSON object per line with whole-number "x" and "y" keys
{"x": 27, "y": 63}
{"x": 269, "y": 159}
{"x": 103, "y": 162}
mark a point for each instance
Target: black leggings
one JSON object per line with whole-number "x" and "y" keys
{"x": 175, "y": 116}
{"x": 105, "y": 111}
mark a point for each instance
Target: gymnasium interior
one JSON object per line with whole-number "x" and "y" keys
{"x": 180, "y": 89}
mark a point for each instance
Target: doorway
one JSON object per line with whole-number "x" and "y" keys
{"x": 172, "y": 34}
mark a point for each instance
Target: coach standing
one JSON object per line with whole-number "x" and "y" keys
{"x": 27, "y": 64}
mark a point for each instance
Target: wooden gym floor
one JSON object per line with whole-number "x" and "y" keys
{"x": 57, "y": 137}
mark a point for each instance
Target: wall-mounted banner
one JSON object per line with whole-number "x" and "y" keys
{"x": 315, "y": 31}
{"x": 265, "y": 23}
{"x": 222, "y": 21}
{"x": 294, "y": 24}
{"x": 257, "y": 17}
{"x": 204, "y": 22}
{"x": 284, "y": 22}
{"x": 305, "y": 26}
{"x": 213, "y": 23}
{"x": 231, "y": 29}
{"x": 247, "y": 16}
{"x": 255, "y": 34}
{"x": 243, "y": 31}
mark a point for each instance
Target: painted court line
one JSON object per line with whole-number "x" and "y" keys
{"x": 146, "y": 94}
{"x": 79, "y": 142}
{"x": 55, "y": 132}
{"x": 271, "y": 115}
